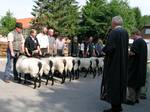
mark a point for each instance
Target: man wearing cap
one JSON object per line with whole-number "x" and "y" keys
{"x": 15, "y": 46}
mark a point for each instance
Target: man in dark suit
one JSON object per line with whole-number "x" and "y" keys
{"x": 32, "y": 47}
{"x": 114, "y": 82}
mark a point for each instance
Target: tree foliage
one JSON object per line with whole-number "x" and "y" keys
{"x": 62, "y": 15}
{"x": 145, "y": 20}
{"x": 95, "y": 18}
{"x": 7, "y": 23}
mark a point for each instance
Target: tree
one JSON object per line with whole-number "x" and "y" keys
{"x": 145, "y": 20}
{"x": 137, "y": 16}
{"x": 7, "y": 23}
{"x": 121, "y": 7}
{"x": 95, "y": 18}
{"x": 62, "y": 15}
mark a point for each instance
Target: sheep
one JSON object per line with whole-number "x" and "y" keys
{"x": 95, "y": 64}
{"x": 32, "y": 66}
{"x": 76, "y": 64}
{"x": 48, "y": 69}
{"x": 69, "y": 66}
{"x": 86, "y": 64}
{"x": 100, "y": 65}
{"x": 59, "y": 65}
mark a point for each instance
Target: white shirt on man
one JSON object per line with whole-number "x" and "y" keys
{"x": 43, "y": 40}
{"x": 59, "y": 44}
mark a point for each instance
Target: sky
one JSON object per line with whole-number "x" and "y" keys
{"x": 23, "y": 8}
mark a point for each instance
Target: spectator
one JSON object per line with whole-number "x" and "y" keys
{"x": 91, "y": 48}
{"x": 51, "y": 41}
{"x": 15, "y": 46}
{"x": 60, "y": 45}
{"x": 74, "y": 47}
{"x": 98, "y": 47}
{"x": 43, "y": 41}
{"x": 32, "y": 47}
{"x": 81, "y": 49}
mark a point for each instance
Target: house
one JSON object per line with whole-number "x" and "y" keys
{"x": 26, "y": 22}
{"x": 146, "y": 32}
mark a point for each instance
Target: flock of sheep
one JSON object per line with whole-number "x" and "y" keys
{"x": 64, "y": 67}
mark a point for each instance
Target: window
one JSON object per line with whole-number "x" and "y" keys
{"x": 147, "y": 31}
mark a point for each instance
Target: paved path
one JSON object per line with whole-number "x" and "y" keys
{"x": 77, "y": 96}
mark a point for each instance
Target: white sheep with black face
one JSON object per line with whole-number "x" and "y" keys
{"x": 69, "y": 66}
{"x": 94, "y": 67}
{"x": 59, "y": 66}
{"x": 48, "y": 69}
{"x": 100, "y": 65}
{"x": 85, "y": 64}
{"x": 32, "y": 66}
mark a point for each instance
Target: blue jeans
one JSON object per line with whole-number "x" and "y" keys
{"x": 9, "y": 66}
{"x": 10, "y": 69}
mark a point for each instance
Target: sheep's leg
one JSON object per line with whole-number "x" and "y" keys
{"x": 100, "y": 71}
{"x": 63, "y": 77}
{"x": 47, "y": 79}
{"x": 94, "y": 73}
{"x": 35, "y": 79}
{"x": 39, "y": 81}
{"x": 25, "y": 78}
{"x": 52, "y": 78}
{"x": 19, "y": 78}
{"x": 70, "y": 75}
{"x": 73, "y": 73}
{"x": 78, "y": 75}
{"x": 86, "y": 72}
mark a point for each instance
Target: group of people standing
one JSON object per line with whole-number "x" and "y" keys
{"x": 124, "y": 68}
{"x": 43, "y": 44}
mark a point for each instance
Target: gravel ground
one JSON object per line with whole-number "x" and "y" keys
{"x": 77, "y": 96}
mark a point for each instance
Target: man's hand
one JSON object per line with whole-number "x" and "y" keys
{"x": 103, "y": 54}
{"x": 12, "y": 54}
{"x": 131, "y": 53}
{"x": 40, "y": 53}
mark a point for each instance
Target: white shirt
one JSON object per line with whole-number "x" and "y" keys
{"x": 43, "y": 40}
{"x": 82, "y": 47}
{"x": 59, "y": 44}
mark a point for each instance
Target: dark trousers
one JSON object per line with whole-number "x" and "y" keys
{"x": 14, "y": 66}
{"x": 44, "y": 51}
{"x": 116, "y": 108}
{"x": 59, "y": 52}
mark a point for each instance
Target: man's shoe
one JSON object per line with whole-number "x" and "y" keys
{"x": 143, "y": 97}
{"x": 108, "y": 110}
{"x": 16, "y": 78}
{"x": 137, "y": 101}
{"x": 7, "y": 81}
{"x": 128, "y": 102}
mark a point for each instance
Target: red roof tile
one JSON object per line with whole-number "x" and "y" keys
{"x": 25, "y": 22}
